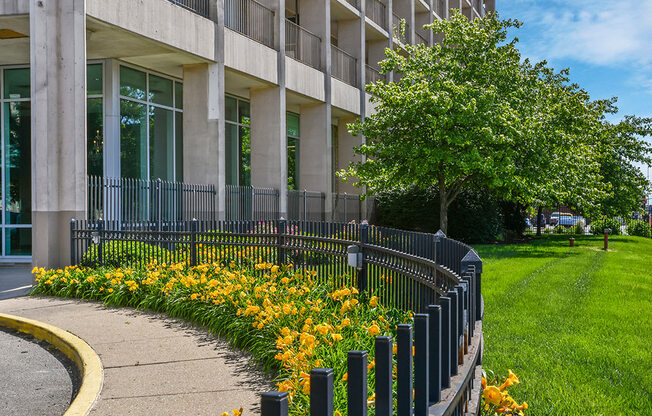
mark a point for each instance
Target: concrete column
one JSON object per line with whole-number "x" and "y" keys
{"x": 111, "y": 119}
{"x": 203, "y": 128}
{"x": 269, "y": 141}
{"x": 58, "y": 122}
{"x": 315, "y": 165}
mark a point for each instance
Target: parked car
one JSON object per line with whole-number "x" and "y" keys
{"x": 566, "y": 220}
{"x": 554, "y": 219}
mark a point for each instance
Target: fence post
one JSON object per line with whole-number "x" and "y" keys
{"x": 445, "y": 303}
{"x": 305, "y": 205}
{"x": 404, "y": 370}
{"x": 384, "y": 381}
{"x": 421, "y": 365}
{"x": 472, "y": 259}
{"x": 100, "y": 244}
{"x": 274, "y": 403}
{"x": 73, "y": 254}
{"x": 193, "y": 242}
{"x": 321, "y": 392}
{"x": 439, "y": 236}
{"x": 345, "y": 200}
{"x": 357, "y": 384}
{"x": 434, "y": 313}
{"x": 280, "y": 241}
{"x": 452, "y": 344}
{"x": 362, "y": 273}
{"x": 252, "y": 205}
{"x": 159, "y": 203}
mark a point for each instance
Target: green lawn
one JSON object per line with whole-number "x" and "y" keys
{"x": 574, "y": 323}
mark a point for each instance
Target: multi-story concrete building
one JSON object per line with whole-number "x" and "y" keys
{"x": 240, "y": 92}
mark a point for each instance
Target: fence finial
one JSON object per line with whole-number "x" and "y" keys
{"x": 439, "y": 235}
{"x": 471, "y": 259}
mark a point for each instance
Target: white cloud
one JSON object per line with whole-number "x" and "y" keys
{"x": 609, "y": 33}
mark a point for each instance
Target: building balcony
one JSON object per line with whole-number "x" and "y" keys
{"x": 302, "y": 45}
{"x": 344, "y": 66}
{"x": 377, "y": 12}
{"x": 251, "y": 19}
{"x": 373, "y": 75}
{"x": 201, "y": 7}
{"x": 402, "y": 36}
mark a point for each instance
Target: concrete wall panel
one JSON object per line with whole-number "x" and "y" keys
{"x": 345, "y": 96}
{"x": 250, "y": 57}
{"x": 304, "y": 79}
{"x": 159, "y": 20}
{"x": 8, "y": 7}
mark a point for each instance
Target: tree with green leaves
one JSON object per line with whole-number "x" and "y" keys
{"x": 470, "y": 110}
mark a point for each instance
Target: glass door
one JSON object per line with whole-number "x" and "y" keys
{"x": 15, "y": 169}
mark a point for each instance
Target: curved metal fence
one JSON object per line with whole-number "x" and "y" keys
{"x": 437, "y": 278}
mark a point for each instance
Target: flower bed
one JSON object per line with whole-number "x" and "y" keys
{"x": 284, "y": 317}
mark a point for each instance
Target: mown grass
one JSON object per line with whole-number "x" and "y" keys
{"x": 574, "y": 323}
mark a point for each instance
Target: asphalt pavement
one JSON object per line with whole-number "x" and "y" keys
{"x": 35, "y": 379}
{"x": 15, "y": 280}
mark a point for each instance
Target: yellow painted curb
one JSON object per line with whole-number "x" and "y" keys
{"x": 86, "y": 360}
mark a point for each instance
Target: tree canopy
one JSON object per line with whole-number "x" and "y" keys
{"x": 470, "y": 109}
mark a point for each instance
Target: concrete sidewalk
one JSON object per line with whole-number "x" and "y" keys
{"x": 15, "y": 280}
{"x": 153, "y": 365}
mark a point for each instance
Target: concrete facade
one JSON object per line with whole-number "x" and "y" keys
{"x": 214, "y": 52}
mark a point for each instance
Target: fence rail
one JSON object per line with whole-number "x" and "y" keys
{"x": 377, "y": 11}
{"x": 373, "y": 75}
{"x": 250, "y": 18}
{"x": 201, "y": 7}
{"x": 127, "y": 200}
{"x": 302, "y": 45}
{"x": 344, "y": 66}
{"x": 437, "y": 278}
{"x": 248, "y": 203}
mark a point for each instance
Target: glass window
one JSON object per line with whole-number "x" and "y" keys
{"x": 334, "y": 161}
{"x": 161, "y": 142}
{"x": 18, "y": 167}
{"x": 17, "y": 83}
{"x": 95, "y": 137}
{"x": 133, "y": 139}
{"x": 132, "y": 83}
{"x": 160, "y": 90}
{"x": 178, "y": 95}
{"x": 231, "y": 109}
{"x": 292, "y": 121}
{"x": 232, "y": 153}
{"x": 94, "y": 79}
{"x": 243, "y": 112}
{"x": 245, "y": 154}
{"x": 18, "y": 241}
{"x": 178, "y": 142}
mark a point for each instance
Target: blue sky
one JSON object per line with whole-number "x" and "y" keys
{"x": 607, "y": 44}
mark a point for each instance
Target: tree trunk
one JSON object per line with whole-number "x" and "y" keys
{"x": 539, "y": 218}
{"x": 443, "y": 211}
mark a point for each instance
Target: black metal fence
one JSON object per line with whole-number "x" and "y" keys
{"x": 128, "y": 201}
{"x": 437, "y": 278}
{"x": 244, "y": 203}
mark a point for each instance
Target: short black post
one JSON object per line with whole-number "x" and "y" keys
{"x": 434, "y": 313}
{"x": 404, "y": 370}
{"x": 452, "y": 353}
{"x": 321, "y": 392}
{"x": 362, "y": 272}
{"x": 421, "y": 365}
{"x": 445, "y": 303}
{"x": 193, "y": 241}
{"x": 472, "y": 259}
{"x": 357, "y": 385}
{"x": 73, "y": 251}
{"x": 280, "y": 241}
{"x": 439, "y": 236}
{"x": 100, "y": 242}
{"x": 274, "y": 403}
{"x": 460, "y": 323}
{"x": 384, "y": 380}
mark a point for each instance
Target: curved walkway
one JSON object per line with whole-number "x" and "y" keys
{"x": 152, "y": 364}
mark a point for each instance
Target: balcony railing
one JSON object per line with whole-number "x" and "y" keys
{"x": 198, "y": 6}
{"x": 421, "y": 40}
{"x": 354, "y": 3}
{"x": 377, "y": 11}
{"x": 399, "y": 34}
{"x": 250, "y": 18}
{"x": 440, "y": 7}
{"x": 344, "y": 66}
{"x": 302, "y": 45}
{"x": 373, "y": 75}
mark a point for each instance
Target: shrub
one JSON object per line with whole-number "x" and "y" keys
{"x": 288, "y": 319}
{"x": 639, "y": 229}
{"x": 578, "y": 228}
{"x": 122, "y": 253}
{"x": 598, "y": 226}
